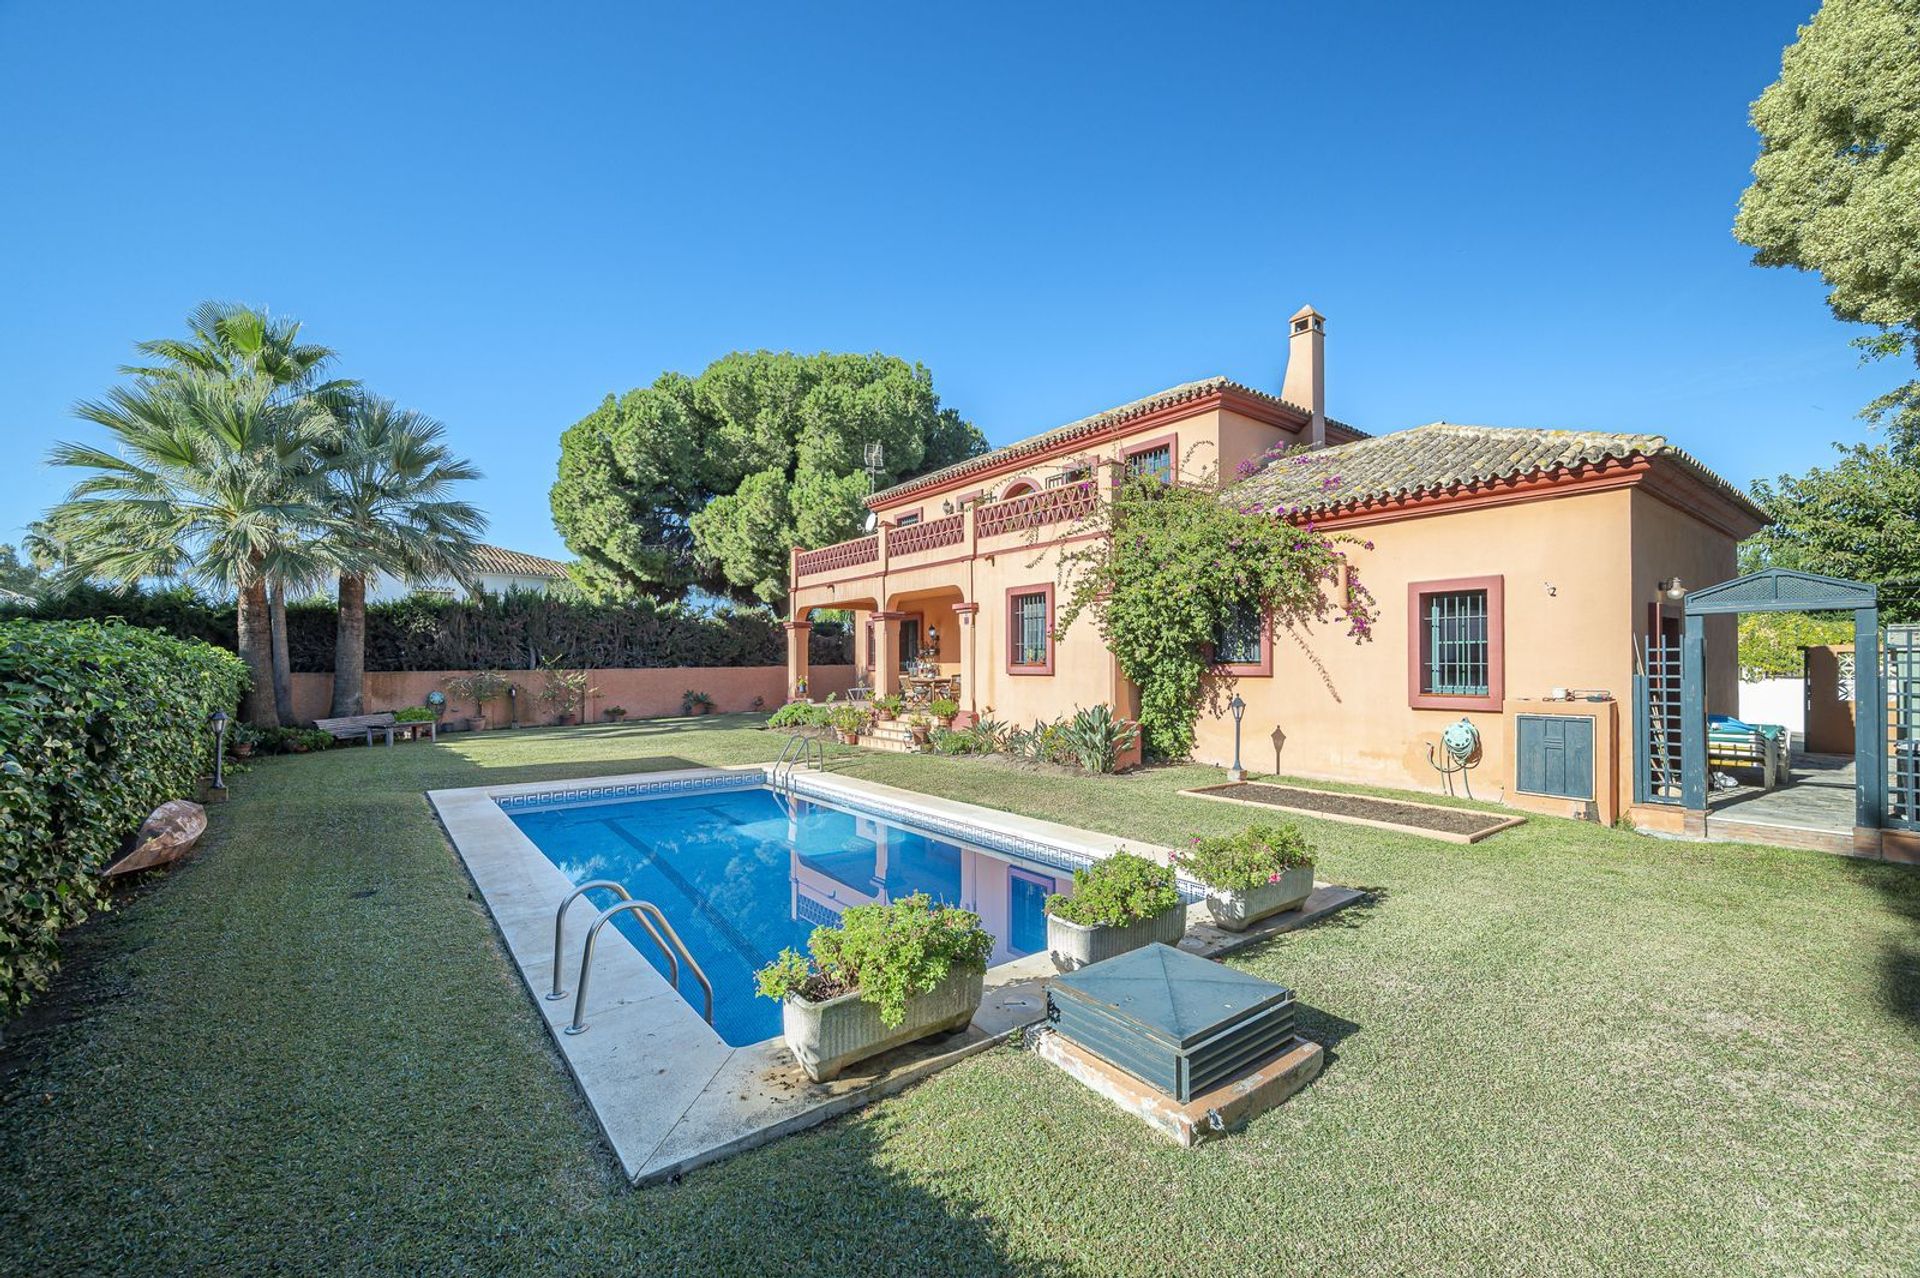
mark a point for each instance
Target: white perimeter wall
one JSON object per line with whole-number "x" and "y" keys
{"x": 1782, "y": 701}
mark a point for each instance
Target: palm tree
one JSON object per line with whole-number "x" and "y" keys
{"x": 227, "y": 339}
{"x": 203, "y": 482}
{"x": 389, "y": 477}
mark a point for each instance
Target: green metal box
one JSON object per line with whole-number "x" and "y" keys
{"x": 1177, "y": 1022}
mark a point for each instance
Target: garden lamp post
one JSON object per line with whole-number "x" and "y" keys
{"x": 217, "y": 724}
{"x": 1239, "y": 708}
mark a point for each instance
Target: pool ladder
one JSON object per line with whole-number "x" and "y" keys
{"x": 650, "y": 918}
{"x": 812, "y": 755}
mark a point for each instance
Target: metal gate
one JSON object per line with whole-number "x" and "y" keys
{"x": 1903, "y": 726}
{"x": 1658, "y": 740}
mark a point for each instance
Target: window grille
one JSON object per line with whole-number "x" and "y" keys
{"x": 1455, "y": 656}
{"x": 1236, "y": 641}
{"x": 1157, "y": 462}
{"x": 1030, "y": 630}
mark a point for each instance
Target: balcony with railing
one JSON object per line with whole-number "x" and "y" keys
{"x": 910, "y": 545}
{"x": 1036, "y": 510}
{"x": 845, "y": 554}
{"x": 933, "y": 534}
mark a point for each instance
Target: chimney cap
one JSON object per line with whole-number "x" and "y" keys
{"x": 1306, "y": 320}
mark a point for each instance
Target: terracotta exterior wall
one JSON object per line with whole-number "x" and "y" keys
{"x": 646, "y": 694}
{"x": 1333, "y": 708}
{"x": 1577, "y": 571}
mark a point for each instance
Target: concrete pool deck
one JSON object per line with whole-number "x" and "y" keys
{"x": 668, "y": 1092}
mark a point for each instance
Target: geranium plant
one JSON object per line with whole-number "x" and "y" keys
{"x": 889, "y": 953}
{"x": 1121, "y": 889}
{"x": 1241, "y": 862}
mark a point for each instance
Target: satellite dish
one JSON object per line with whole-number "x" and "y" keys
{"x": 872, "y": 521}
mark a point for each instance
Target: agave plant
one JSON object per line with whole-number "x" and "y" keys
{"x": 1094, "y": 737}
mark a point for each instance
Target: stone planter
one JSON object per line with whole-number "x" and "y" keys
{"x": 827, "y": 1037}
{"x": 1237, "y": 911}
{"x": 1075, "y": 945}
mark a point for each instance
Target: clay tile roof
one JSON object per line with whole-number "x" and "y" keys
{"x": 1183, "y": 393}
{"x": 513, "y": 563}
{"x": 1440, "y": 456}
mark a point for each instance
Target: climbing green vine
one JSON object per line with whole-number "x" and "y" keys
{"x": 1177, "y": 558}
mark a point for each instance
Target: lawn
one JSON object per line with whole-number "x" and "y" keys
{"x": 1566, "y": 1050}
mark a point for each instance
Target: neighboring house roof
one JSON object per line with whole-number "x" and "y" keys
{"x": 511, "y": 563}
{"x": 1046, "y": 440}
{"x": 1442, "y": 457}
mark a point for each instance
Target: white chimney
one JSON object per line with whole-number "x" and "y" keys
{"x": 1306, "y": 381}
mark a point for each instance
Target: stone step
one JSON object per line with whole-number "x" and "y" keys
{"x": 891, "y": 744}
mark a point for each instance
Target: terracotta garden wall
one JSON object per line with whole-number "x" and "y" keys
{"x": 646, "y": 693}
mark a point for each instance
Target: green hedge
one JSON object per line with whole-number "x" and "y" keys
{"x": 508, "y": 632}
{"x": 99, "y": 724}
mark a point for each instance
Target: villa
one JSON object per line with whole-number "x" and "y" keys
{"x": 1520, "y": 576}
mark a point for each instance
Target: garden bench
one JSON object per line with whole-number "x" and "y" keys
{"x": 365, "y": 725}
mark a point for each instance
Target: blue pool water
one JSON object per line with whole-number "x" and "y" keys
{"x": 743, "y": 874}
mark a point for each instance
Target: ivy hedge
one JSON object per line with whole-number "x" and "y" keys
{"x": 100, "y": 723}
{"x": 498, "y": 632}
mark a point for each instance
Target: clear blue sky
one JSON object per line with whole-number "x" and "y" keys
{"x": 1515, "y": 214}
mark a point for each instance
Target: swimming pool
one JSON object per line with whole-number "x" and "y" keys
{"x": 743, "y": 873}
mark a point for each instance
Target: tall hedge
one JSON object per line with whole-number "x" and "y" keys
{"x": 100, "y": 723}
{"x": 508, "y": 632}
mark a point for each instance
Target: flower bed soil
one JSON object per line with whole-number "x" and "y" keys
{"x": 1455, "y": 824}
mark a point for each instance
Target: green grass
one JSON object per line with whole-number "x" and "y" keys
{"x": 1566, "y": 1050}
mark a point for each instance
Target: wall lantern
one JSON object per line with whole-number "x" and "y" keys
{"x": 933, "y": 637}
{"x": 1239, "y": 708}
{"x": 217, "y": 724}
{"x": 1673, "y": 589}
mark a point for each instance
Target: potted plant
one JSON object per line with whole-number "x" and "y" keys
{"x": 884, "y": 975}
{"x": 245, "y": 739}
{"x": 565, "y": 690}
{"x": 1261, "y": 871}
{"x": 889, "y": 705}
{"x": 692, "y": 702}
{"x": 944, "y": 709}
{"x": 848, "y": 722}
{"x": 920, "y": 726}
{"x": 614, "y": 714}
{"x": 1118, "y": 904}
{"x": 481, "y": 687}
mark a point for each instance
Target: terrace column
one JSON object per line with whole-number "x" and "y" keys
{"x": 797, "y": 636}
{"x": 886, "y": 653}
{"x": 969, "y": 691}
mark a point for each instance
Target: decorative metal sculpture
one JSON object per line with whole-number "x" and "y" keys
{"x": 1460, "y": 744}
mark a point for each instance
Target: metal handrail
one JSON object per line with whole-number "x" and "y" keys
{"x": 812, "y": 755}
{"x": 641, "y": 910}
{"x": 560, "y": 924}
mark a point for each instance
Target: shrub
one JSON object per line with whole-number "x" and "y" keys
{"x": 414, "y": 714}
{"x": 798, "y": 714}
{"x": 512, "y": 631}
{"x": 847, "y": 718}
{"x": 1094, "y": 738}
{"x": 889, "y": 953}
{"x": 1124, "y": 888}
{"x": 1044, "y": 742}
{"x": 295, "y": 740}
{"x": 947, "y": 741}
{"x": 1241, "y": 862}
{"x": 943, "y": 708}
{"x": 99, "y": 724}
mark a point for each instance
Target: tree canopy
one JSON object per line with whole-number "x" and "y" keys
{"x": 1858, "y": 519}
{"x": 1836, "y": 189}
{"x": 708, "y": 481}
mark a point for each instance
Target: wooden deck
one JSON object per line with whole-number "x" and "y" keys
{"x": 1812, "y": 809}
